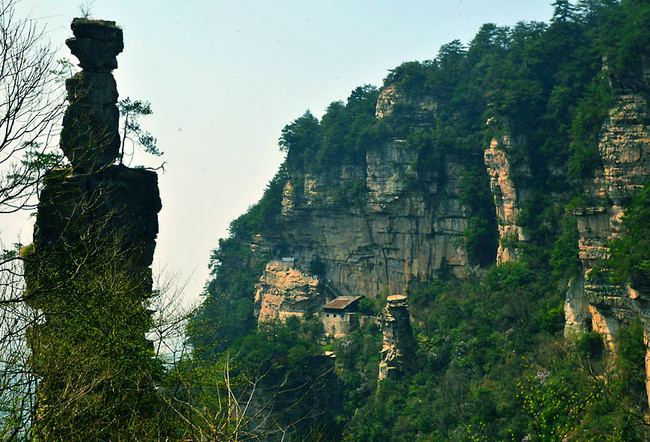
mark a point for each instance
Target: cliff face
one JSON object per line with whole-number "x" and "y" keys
{"x": 406, "y": 226}
{"x": 284, "y": 290}
{"x": 507, "y": 197}
{"x": 625, "y": 153}
{"x": 592, "y": 301}
{"x": 412, "y": 220}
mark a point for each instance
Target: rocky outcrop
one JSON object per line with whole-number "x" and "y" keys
{"x": 398, "y": 234}
{"x": 377, "y": 224}
{"x": 506, "y": 196}
{"x": 398, "y": 347}
{"x": 624, "y": 149}
{"x": 88, "y": 269}
{"x": 90, "y": 138}
{"x": 421, "y": 110}
{"x": 625, "y": 153}
{"x": 284, "y": 290}
{"x": 96, "y": 200}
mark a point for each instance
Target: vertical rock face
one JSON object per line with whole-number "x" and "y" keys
{"x": 284, "y": 291}
{"x": 400, "y": 233}
{"x": 624, "y": 149}
{"x": 406, "y": 224}
{"x": 506, "y": 197}
{"x": 398, "y": 344}
{"x": 94, "y": 239}
{"x": 114, "y": 203}
{"x": 625, "y": 152}
{"x": 90, "y": 136}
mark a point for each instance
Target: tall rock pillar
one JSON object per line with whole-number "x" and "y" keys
{"x": 398, "y": 347}
{"x": 88, "y": 269}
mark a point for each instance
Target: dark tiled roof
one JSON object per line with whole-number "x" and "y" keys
{"x": 342, "y": 302}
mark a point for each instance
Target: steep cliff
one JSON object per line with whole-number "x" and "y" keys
{"x": 507, "y": 198}
{"x": 284, "y": 291}
{"x": 593, "y": 302}
{"x": 403, "y": 227}
{"x": 487, "y": 186}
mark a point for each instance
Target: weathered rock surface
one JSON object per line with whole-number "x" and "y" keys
{"x": 625, "y": 153}
{"x": 398, "y": 347}
{"x": 284, "y": 290}
{"x": 96, "y": 44}
{"x": 90, "y": 136}
{"x": 95, "y": 219}
{"x": 506, "y": 197}
{"x": 404, "y": 227}
{"x": 398, "y": 235}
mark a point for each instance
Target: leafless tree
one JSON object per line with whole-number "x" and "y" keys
{"x": 32, "y": 100}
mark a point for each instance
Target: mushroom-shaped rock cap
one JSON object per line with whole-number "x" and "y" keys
{"x": 96, "y": 44}
{"x": 397, "y": 300}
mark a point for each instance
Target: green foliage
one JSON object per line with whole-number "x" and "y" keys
{"x": 292, "y": 370}
{"x": 97, "y": 371}
{"x": 130, "y": 112}
{"x": 630, "y": 253}
{"x": 262, "y": 214}
{"x": 630, "y": 378}
{"x": 299, "y": 139}
{"x": 564, "y": 257}
{"x": 227, "y": 310}
{"x": 553, "y": 405}
{"x": 590, "y": 115}
{"x": 491, "y": 363}
{"x": 343, "y": 135}
{"x": 317, "y": 266}
{"x": 590, "y": 344}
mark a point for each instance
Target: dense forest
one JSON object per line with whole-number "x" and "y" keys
{"x": 492, "y": 362}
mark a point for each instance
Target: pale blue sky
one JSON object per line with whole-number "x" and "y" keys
{"x": 224, "y": 78}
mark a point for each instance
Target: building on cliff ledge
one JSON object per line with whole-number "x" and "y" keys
{"x": 340, "y": 316}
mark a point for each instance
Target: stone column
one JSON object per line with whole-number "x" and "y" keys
{"x": 90, "y": 137}
{"x": 399, "y": 346}
{"x": 88, "y": 269}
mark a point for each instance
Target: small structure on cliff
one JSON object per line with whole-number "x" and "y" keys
{"x": 88, "y": 269}
{"x": 338, "y": 316}
{"x": 398, "y": 344}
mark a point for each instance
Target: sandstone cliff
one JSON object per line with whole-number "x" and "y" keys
{"x": 507, "y": 197}
{"x": 398, "y": 233}
{"x": 284, "y": 290}
{"x": 594, "y": 303}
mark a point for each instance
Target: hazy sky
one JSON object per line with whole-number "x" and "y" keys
{"x": 224, "y": 78}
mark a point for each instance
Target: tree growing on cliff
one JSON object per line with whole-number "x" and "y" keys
{"x": 630, "y": 253}
{"x": 131, "y": 111}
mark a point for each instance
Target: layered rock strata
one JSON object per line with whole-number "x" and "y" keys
{"x": 284, "y": 291}
{"x": 593, "y": 303}
{"x": 94, "y": 242}
{"x": 507, "y": 198}
{"x": 397, "y": 233}
{"x": 90, "y": 138}
{"x": 398, "y": 347}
